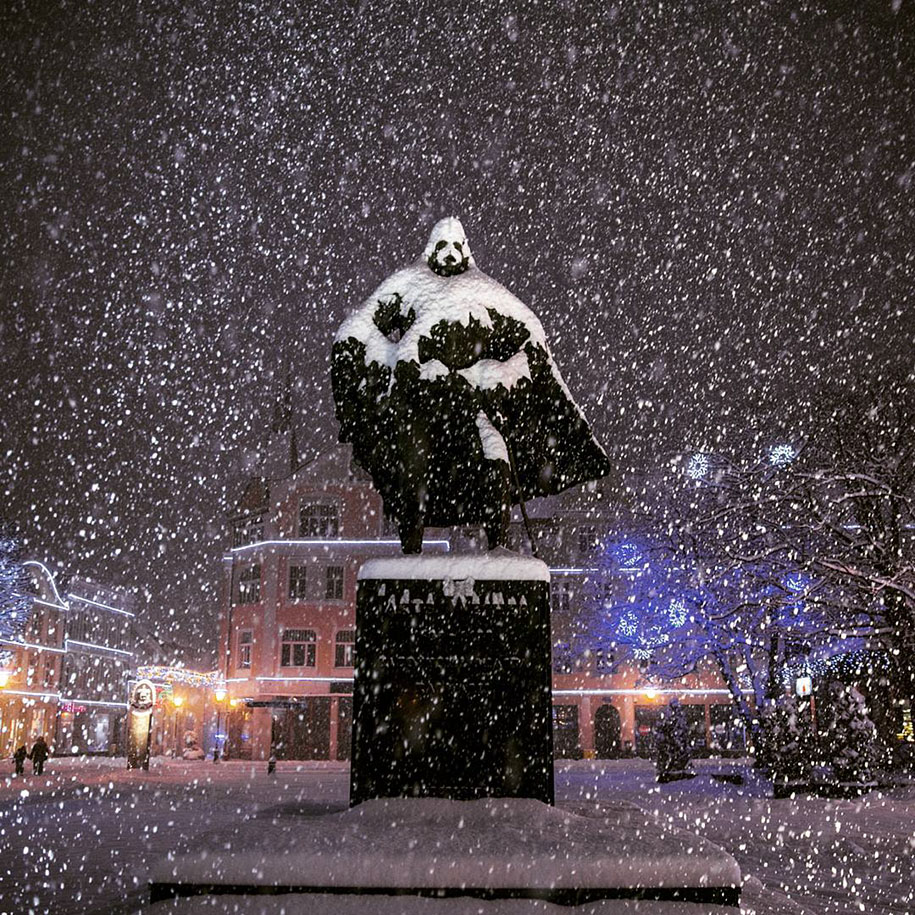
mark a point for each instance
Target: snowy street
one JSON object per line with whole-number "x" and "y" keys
{"x": 94, "y": 829}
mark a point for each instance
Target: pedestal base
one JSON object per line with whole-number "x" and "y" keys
{"x": 490, "y": 849}
{"x": 452, "y": 685}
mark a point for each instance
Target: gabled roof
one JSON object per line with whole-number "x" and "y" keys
{"x": 254, "y": 498}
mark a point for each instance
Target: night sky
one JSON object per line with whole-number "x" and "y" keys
{"x": 710, "y": 209}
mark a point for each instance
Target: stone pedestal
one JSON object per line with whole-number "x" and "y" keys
{"x": 452, "y": 683}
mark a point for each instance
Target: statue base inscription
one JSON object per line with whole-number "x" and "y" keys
{"x": 452, "y": 688}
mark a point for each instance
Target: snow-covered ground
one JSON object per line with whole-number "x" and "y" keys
{"x": 81, "y": 838}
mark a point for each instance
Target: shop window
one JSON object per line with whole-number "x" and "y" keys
{"x": 298, "y": 580}
{"x": 298, "y": 648}
{"x": 319, "y": 520}
{"x": 343, "y": 648}
{"x": 245, "y": 641}
{"x": 333, "y": 585}
{"x": 249, "y": 585}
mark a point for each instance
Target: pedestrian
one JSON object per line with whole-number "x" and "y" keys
{"x": 38, "y": 755}
{"x": 19, "y": 758}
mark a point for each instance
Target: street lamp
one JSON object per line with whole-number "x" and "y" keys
{"x": 4, "y": 679}
{"x": 177, "y": 701}
{"x": 219, "y": 695}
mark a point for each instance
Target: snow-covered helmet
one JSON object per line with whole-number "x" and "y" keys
{"x": 447, "y": 252}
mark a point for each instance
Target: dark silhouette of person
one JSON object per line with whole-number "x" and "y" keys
{"x": 19, "y": 758}
{"x": 38, "y": 755}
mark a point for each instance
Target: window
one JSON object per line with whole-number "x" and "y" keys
{"x": 587, "y": 540}
{"x": 298, "y": 648}
{"x": 297, "y": 582}
{"x": 333, "y": 587}
{"x": 249, "y": 585}
{"x": 343, "y": 648}
{"x": 318, "y": 519}
{"x": 245, "y": 641}
{"x": 248, "y": 530}
{"x": 561, "y": 593}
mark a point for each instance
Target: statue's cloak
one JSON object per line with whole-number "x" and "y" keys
{"x": 435, "y": 378}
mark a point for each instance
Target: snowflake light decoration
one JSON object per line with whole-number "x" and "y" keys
{"x": 698, "y": 466}
{"x": 629, "y": 556}
{"x": 782, "y": 454}
{"x": 797, "y": 582}
{"x": 628, "y": 624}
{"x": 677, "y": 612}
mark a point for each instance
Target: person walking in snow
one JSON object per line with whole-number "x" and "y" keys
{"x": 19, "y": 758}
{"x": 38, "y": 755}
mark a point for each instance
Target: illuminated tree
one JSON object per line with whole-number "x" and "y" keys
{"x": 15, "y": 600}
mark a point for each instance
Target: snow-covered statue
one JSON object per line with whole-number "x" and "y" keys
{"x": 444, "y": 384}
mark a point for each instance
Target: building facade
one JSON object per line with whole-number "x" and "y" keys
{"x": 287, "y": 621}
{"x": 67, "y": 678}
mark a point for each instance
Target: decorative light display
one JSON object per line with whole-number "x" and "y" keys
{"x": 851, "y": 664}
{"x": 15, "y": 601}
{"x": 782, "y": 454}
{"x": 677, "y": 612}
{"x": 628, "y": 624}
{"x": 698, "y": 466}
{"x": 797, "y": 582}
{"x": 629, "y": 556}
{"x": 181, "y": 676}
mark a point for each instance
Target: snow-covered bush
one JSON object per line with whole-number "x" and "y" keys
{"x": 672, "y": 744}
{"x": 848, "y": 737}
{"x": 788, "y": 743}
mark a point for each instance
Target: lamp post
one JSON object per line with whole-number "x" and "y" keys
{"x": 219, "y": 696}
{"x": 178, "y": 701}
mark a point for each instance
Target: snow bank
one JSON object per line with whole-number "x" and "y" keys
{"x": 490, "y": 844}
{"x": 326, "y": 904}
{"x": 497, "y": 565}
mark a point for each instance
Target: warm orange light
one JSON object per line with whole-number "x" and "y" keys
{"x": 219, "y": 694}
{"x": 651, "y": 693}
{"x": 233, "y": 703}
{"x": 4, "y": 678}
{"x": 178, "y": 701}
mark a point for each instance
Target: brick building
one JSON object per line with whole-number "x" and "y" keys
{"x": 299, "y": 535}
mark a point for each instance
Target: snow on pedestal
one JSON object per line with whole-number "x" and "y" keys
{"x": 496, "y": 565}
{"x": 493, "y": 848}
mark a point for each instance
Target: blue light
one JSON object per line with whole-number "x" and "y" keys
{"x": 629, "y": 556}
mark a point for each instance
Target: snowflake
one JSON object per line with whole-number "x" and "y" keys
{"x": 697, "y": 467}
{"x": 780, "y": 455}
{"x": 677, "y": 612}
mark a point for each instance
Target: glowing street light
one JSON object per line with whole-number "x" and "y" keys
{"x": 4, "y": 678}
